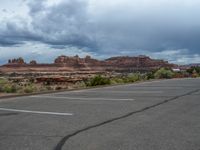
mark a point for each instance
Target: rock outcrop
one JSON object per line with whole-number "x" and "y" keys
{"x": 114, "y": 63}
{"x": 19, "y": 61}
{"x": 138, "y": 62}
{"x": 75, "y": 63}
{"x": 33, "y": 62}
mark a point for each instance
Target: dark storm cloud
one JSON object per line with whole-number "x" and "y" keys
{"x": 132, "y": 25}
{"x": 153, "y": 30}
{"x": 9, "y": 36}
{"x": 8, "y": 42}
{"x": 62, "y": 24}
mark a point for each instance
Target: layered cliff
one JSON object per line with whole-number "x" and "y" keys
{"x": 113, "y": 62}
{"x": 75, "y": 63}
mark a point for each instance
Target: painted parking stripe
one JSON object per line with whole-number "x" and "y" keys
{"x": 131, "y": 92}
{"x": 81, "y": 98}
{"x": 36, "y": 112}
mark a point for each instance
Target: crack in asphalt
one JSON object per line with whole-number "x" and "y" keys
{"x": 62, "y": 142}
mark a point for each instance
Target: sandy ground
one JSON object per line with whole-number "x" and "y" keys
{"x": 4, "y": 94}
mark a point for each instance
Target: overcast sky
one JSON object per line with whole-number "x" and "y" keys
{"x": 45, "y": 29}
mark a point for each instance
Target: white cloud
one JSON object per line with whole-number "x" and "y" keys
{"x": 180, "y": 56}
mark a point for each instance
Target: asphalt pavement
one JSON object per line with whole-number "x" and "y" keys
{"x": 156, "y": 115}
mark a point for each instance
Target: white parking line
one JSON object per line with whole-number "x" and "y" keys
{"x": 138, "y": 92}
{"x": 85, "y": 99}
{"x": 129, "y": 92}
{"x": 36, "y": 112}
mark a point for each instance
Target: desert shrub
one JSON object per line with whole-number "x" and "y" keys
{"x": 49, "y": 88}
{"x": 117, "y": 80}
{"x": 132, "y": 78}
{"x": 195, "y": 74}
{"x": 3, "y": 81}
{"x": 178, "y": 75}
{"x": 41, "y": 88}
{"x": 58, "y": 88}
{"x": 31, "y": 80}
{"x": 80, "y": 84}
{"x": 9, "y": 88}
{"x": 29, "y": 89}
{"x": 150, "y": 75}
{"x": 98, "y": 80}
{"x": 164, "y": 73}
{"x": 194, "y": 69}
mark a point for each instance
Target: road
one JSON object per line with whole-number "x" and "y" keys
{"x": 157, "y": 115}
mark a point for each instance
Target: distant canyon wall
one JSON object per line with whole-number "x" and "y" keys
{"x": 75, "y": 63}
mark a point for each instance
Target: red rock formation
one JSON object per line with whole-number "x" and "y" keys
{"x": 69, "y": 61}
{"x": 66, "y": 63}
{"x": 19, "y": 60}
{"x": 138, "y": 62}
{"x": 77, "y": 62}
{"x": 33, "y": 62}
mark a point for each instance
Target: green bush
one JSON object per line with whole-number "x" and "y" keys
{"x": 150, "y": 75}
{"x": 194, "y": 69}
{"x": 164, "y": 73}
{"x": 3, "y": 81}
{"x": 30, "y": 89}
{"x": 136, "y": 77}
{"x": 98, "y": 80}
{"x": 132, "y": 78}
{"x": 9, "y": 89}
{"x": 117, "y": 80}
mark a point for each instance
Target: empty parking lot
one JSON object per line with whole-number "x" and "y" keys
{"x": 153, "y": 115}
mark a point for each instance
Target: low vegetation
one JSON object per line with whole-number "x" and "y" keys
{"x": 7, "y": 86}
{"x": 98, "y": 80}
{"x": 164, "y": 73}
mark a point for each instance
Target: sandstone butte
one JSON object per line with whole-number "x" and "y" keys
{"x": 87, "y": 64}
